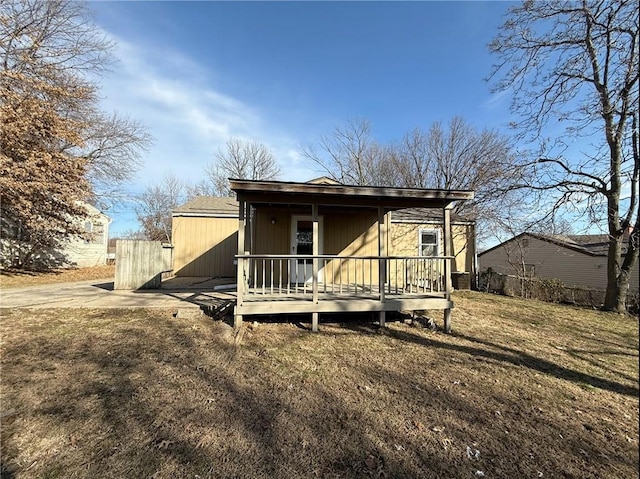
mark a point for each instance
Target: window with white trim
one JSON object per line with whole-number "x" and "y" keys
{"x": 94, "y": 233}
{"x": 429, "y": 243}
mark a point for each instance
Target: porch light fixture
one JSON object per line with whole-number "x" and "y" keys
{"x": 273, "y": 221}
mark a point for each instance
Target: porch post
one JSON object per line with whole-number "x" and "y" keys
{"x": 248, "y": 235}
{"x": 315, "y": 252}
{"x": 382, "y": 263}
{"x": 447, "y": 265}
{"x": 240, "y": 280}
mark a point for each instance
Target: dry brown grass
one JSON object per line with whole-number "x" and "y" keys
{"x": 21, "y": 278}
{"x": 538, "y": 390}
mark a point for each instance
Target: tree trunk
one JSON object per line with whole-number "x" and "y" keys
{"x": 613, "y": 297}
{"x": 623, "y": 289}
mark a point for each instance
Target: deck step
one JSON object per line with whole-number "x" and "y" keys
{"x": 219, "y": 309}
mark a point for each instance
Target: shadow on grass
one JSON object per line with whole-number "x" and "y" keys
{"x": 159, "y": 404}
{"x": 155, "y": 398}
{"x": 518, "y": 358}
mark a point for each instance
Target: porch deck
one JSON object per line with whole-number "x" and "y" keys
{"x": 352, "y": 298}
{"x": 271, "y": 284}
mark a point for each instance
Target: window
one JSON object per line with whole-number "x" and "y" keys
{"x": 98, "y": 234}
{"x": 429, "y": 243}
{"x": 94, "y": 233}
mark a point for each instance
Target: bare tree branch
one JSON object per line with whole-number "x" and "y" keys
{"x": 246, "y": 160}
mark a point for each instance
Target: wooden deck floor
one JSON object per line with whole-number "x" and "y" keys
{"x": 299, "y": 299}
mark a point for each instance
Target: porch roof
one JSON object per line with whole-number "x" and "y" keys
{"x": 282, "y": 192}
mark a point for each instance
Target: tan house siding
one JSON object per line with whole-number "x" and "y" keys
{"x": 351, "y": 234}
{"x": 344, "y": 233}
{"x": 274, "y": 225}
{"x": 550, "y": 260}
{"x": 204, "y": 246}
{"x": 404, "y": 241}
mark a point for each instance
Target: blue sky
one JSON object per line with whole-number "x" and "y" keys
{"x": 284, "y": 73}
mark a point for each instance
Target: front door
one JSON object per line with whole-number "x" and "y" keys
{"x": 301, "y": 270}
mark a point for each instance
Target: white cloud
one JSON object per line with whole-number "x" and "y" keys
{"x": 498, "y": 100}
{"x": 188, "y": 118}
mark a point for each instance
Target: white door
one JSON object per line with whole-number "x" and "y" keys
{"x": 301, "y": 270}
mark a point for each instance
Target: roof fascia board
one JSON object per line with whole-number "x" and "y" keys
{"x": 203, "y": 214}
{"x": 257, "y": 189}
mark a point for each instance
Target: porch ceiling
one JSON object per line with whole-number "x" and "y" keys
{"x": 290, "y": 193}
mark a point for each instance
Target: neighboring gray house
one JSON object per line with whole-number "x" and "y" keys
{"x": 576, "y": 260}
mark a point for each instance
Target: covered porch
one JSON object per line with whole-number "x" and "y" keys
{"x": 323, "y": 248}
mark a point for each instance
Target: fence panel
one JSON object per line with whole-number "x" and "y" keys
{"x": 140, "y": 264}
{"x": 550, "y": 290}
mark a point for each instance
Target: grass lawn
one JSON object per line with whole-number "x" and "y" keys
{"x": 521, "y": 389}
{"x": 22, "y": 278}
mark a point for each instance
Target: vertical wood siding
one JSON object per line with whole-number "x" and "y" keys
{"x": 403, "y": 241}
{"x": 204, "y": 246}
{"x": 344, "y": 234}
{"x": 351, "y": 234}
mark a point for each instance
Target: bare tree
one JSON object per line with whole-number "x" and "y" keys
{"x": 113, "y": 148}
{"x": 350, "y": 155}
{"x": 154, "y": 206}
{"x": 461, "y": 157}
{"x": 52, "y": 128}
{"x": 246, "y": 160}
{"x": 201, "y": 188}
{"x": 576, "y": 62}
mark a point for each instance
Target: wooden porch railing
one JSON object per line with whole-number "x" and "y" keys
{"x": 292, "y": 275}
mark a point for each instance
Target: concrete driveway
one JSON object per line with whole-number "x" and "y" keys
{"x": 100, "y": 294}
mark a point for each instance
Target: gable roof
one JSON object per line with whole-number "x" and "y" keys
{"x": 595, "y": 243}
{"x": 323, "y": 180}
{"x": 591, "y": 245}
{"x": 209, "y": 206}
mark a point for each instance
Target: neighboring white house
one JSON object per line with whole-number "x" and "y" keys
{"x": 81, "y": 252}
{"x": 91, "y": 250}
{"x": 576, "y": 260}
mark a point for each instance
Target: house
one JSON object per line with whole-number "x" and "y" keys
{"x": 205, "y": 232}
{"x": 87, "y": 250}
{"x": 576, "y": 260}
{"x": 321, "y": 247}
{"x": 91, "y": 249}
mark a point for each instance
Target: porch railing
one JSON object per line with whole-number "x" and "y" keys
{"x": 292, "y": 275}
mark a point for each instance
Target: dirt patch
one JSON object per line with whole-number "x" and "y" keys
{"x": 521, "y": 389}
{"x": 21, "y": 278}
